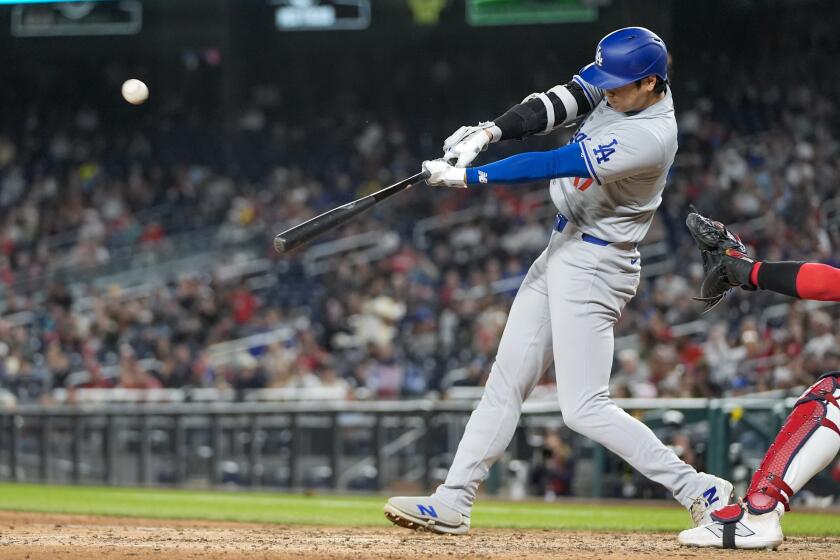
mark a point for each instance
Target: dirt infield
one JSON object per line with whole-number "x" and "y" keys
{"x": 29, "y": 536}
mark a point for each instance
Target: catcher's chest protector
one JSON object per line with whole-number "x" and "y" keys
{"x": 807, "y": 443}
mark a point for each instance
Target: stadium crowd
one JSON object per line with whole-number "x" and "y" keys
{"x": 427, "y": 315}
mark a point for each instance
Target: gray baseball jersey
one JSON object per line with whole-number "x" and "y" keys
{"x": 628, "y": 156}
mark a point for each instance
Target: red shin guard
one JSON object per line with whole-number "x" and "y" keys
{"x": 768, "y": 487}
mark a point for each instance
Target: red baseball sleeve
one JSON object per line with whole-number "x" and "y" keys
{"x": 796, "y": 279}
{"x": 818, "y": 281}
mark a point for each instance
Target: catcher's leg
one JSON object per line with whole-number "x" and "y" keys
{"x": 806, "y": 444}
{"x": 523, "y": 356}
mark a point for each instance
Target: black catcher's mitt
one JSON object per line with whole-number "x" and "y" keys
{"x": 725, "y": 261}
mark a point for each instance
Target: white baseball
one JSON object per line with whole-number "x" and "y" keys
{"x": 135, "y": 91}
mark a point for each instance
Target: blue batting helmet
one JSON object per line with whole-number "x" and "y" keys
{"x": 625, "y": 56}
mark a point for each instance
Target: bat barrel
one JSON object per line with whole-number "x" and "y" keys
{"x": 307, "y": 231}
{"x": 279, "y": 243}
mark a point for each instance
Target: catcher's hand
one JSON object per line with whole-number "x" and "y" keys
{"x": 726, "y": 264}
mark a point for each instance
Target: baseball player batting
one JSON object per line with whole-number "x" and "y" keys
{"x": 810, "y": 437}
{"x": 606, "y": 184}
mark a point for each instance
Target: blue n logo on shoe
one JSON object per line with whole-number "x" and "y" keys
{"x": 634, "y": 261}
{"x": 427, "y": 510}
{"x": 711, "y": 496}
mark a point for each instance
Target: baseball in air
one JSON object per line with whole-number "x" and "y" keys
{"x": 135, "y": 91}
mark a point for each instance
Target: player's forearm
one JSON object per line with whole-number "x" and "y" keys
{"x": 532, "y": 166}
{"x": 797, "y": 279}
{"x": 542, "y": 112}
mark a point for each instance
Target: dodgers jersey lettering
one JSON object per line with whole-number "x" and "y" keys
{"x": 628, "y": 156}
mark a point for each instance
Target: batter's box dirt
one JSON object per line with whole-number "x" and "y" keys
{"x": 30, "y": 536}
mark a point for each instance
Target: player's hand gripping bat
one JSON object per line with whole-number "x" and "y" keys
{"x": 303, "y": 233}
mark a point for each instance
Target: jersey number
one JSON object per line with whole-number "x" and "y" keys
{"x": 582, "y": 184}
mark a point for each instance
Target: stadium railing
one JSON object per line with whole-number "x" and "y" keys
{"x": 332, "y": 444}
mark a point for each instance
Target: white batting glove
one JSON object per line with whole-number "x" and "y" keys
{"x": 441, "y": 174}
{"x": 467, "y": 142}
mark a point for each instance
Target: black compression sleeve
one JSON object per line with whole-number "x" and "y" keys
{"x": 530, "y": 117}
{"x": 779, "y": 277}
{"x": 522, "y": 119}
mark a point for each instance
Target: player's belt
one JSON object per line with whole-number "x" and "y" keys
{"x": 560, "y": 223}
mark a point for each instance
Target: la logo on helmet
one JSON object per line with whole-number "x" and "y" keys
{"x": 599, "y": 60}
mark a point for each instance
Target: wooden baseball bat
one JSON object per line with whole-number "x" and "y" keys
{"x": 303, "y": 233}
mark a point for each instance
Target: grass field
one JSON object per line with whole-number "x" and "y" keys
{"x": 296, "y": 509}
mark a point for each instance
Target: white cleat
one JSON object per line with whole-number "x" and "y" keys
{"x": 736, "y": 527}
{"x": 718, "y": 494}
{"x": 426, "y": 513}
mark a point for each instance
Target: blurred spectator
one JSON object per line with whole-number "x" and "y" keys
{"x": 82, "y": 202}
{"x": 553, "y": 467}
